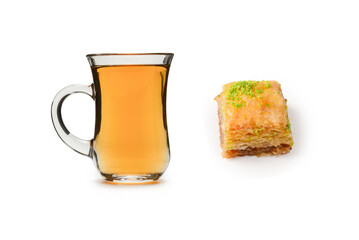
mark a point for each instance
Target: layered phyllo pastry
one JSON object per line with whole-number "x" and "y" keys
{"x": 253, "y": 119}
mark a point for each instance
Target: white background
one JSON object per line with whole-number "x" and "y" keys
{"x": 311, "y": 47}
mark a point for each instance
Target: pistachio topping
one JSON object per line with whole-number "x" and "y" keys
{"x": 287, "y": 127}
{"x": 244, "y": 88}
{"x": 258, "y": 130}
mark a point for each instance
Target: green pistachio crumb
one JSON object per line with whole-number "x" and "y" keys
{"x": 238, "y": 89}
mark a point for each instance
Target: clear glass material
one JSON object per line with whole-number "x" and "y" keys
{"x": 130, "y": 143}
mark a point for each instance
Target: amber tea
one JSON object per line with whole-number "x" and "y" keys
{"x": 131, "y": 130}
{"x": 130, "y": 143}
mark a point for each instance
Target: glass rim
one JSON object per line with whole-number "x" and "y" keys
{"x": 126, "y": 54}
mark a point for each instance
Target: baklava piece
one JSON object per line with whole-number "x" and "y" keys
{"x": 253, "y": 119}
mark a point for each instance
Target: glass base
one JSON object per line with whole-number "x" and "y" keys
{"x": 132, "y": 179}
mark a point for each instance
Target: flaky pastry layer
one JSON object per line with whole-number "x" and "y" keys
{"x": 253, "y": 119}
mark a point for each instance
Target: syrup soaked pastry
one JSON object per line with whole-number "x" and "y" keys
{"x": 253, "y": 119}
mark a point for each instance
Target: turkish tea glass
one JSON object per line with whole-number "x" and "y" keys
{"x": 130, "y": 143}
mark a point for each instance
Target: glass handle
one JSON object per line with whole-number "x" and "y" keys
{"x": 77, "y": 144}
